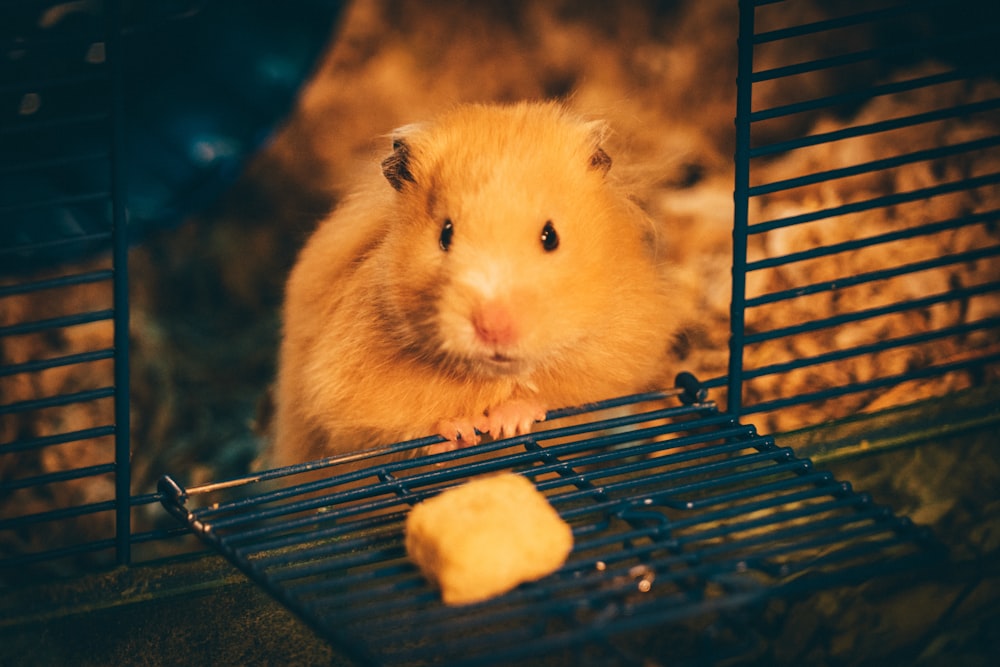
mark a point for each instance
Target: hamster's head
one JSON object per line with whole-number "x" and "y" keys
{"x": 508, "y": 248}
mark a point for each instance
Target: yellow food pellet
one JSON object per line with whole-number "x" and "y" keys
{"x": 485, "y": 537}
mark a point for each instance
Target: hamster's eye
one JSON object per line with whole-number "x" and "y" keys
{"x": 550, "y": 239}
{"x": 447, "y": 231}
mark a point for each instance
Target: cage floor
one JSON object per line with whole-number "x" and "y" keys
{"x": 678, "y": 513}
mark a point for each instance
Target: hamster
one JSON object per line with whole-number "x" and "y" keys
{"x": 492, "y": 272}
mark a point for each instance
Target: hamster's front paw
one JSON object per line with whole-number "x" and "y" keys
{"x": 515, "y": 417}
{"x": 458, "y": 432}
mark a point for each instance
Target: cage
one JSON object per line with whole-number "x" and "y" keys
{"x": 865, "y": 293}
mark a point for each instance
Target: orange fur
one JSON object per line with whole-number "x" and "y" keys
{"x": 379, "y": 343}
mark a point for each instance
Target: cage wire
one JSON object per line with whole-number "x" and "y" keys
{"x": 865, "y": 239}
{"x": 117, "y": 119}
{"x": 61, "y": 196}
{"x": 681, "y": 511}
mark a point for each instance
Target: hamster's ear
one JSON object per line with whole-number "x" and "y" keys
{"x": 396, "y": 167}
{"x": 599, "y": 160}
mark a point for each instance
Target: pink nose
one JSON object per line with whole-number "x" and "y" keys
{"x": 494, "y": 324}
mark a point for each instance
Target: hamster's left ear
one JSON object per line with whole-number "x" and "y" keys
{"x": 599, "y": 160}
{"x": 396, "y": 167}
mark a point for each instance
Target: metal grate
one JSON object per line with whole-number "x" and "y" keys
{"x": 678, "y": 512}
{"x": 867, "y": 201}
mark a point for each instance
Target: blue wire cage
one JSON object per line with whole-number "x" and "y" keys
{"x": 681, "y": 511}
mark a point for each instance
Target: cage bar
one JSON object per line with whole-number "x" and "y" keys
{"x": 120, "y": 287}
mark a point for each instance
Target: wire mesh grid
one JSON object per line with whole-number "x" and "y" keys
{"x": 677, "y": 511}
{"x": 867, "y": 201}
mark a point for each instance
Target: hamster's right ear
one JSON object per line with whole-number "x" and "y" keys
{"x": 396, "y": 167}
{"x": 599, "y": 160}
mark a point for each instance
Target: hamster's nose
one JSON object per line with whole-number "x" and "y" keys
{"x": 494, "y": 324}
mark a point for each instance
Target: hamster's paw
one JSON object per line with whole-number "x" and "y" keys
{"x": 515, "y": 417}
{"x": 458, "y": 432}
